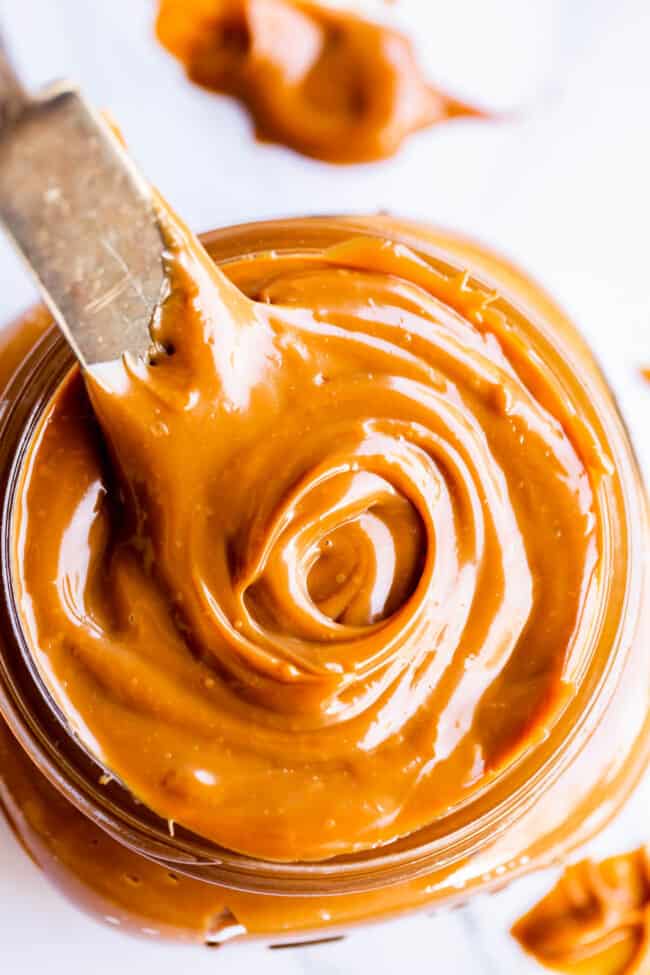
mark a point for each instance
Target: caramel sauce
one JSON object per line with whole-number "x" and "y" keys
{"x": 312, "y": 597}
{"x": 325, "y": 82}
{"x": 595, "y": 921}
{"x": 328, "y": 579}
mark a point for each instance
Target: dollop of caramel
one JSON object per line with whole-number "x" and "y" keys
{"x": 327, "y": 582}
{"x": 596, "y": 920}
{"x": 323, "y": 81}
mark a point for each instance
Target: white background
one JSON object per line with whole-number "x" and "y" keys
{"x": 561, "y": 186}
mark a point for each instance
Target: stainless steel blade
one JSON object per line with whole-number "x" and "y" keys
{"x": 82, "y": 217}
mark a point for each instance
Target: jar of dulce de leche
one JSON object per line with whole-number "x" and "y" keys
{"x": 381, "y": 640}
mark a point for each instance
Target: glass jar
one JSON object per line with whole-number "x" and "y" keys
{"x": 563, "y": 788}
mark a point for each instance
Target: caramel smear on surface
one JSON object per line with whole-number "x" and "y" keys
{"x": 595, "y": 921}
{"x": 324, "y": 82}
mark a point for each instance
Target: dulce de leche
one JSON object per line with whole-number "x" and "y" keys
{"x": 328, "y": 573}
{"x": 321, "y": 80}
{"x": 595, "y": 921}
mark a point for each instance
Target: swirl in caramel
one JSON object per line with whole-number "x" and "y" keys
{"x": 330, "y": 578}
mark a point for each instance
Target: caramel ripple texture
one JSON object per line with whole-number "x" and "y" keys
{"x": 326, "y": 583}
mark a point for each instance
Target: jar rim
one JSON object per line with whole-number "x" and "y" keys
{"x": 34, "y": 716}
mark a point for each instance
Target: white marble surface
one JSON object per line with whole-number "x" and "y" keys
{"x": 563, "y": 188}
